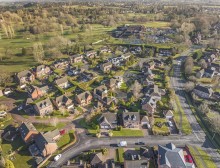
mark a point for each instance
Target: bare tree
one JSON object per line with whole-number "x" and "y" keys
{"x": 189, "y": 86}
{"x": 136, "y": 89}
{"x": 54, "y": 122}
{"x": 38, "y": 52}
{"x": 215, "y": 123}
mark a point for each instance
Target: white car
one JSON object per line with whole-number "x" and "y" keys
{"x": 57, "y": 157}
{"x": 170, "y": 123}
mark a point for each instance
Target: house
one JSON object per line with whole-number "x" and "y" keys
{"x": 61, "y": 64}
{"x": 76, "y": 58}
{"x": 200, "y": 73}
{"x": 203, "y": 92}
{"x": 206, "y": 73}
{"x": 44, "y": 107}
{"x": 148, "y": 73}
{"x": 28, "y": 132}
{"x": 154, "y": 92}
{"x": 91, "y": 54}
{"x": 25, "y": 77}
{"x": 34, "y": 92}
{"x": 158, "y": 63}
{"x": 126, "y": 56}
{"x": 84, "y": 98}
{"x": 42, "y": 70}
{"x": 45, "y": 143}
{"x": 114, "y": 83}
{"x": 149, "y": 65}
{"x": 100, "y": 92}
{"x": 63, "y": 82}
{"x": 145, "y": 121}
{"x": 98, "y": 160}
{"x": 105, "y": 49}
{"x": 131, "y": 119}
{"x": 63, "y": 102}
{"x": 106, "y": 67}
{"x": 108, "y": 120}
{"x": 149, "y": 104}
{"x": 170, "y": 156}
{"x": 165, "y": 52}
{"x": 147, "y": 81}
{"x": 27, "y": 106}
{"x": 209, "y": 73}
{"x": 168, "y": 114}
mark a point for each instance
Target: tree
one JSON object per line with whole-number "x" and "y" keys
{"x": 136, "y": 89}
{"x": 203, "y": 64}
{"x": 5, "y": 78}
{"x": 9, "y": 164}
{"x": 189, "y": 86}
{"x": 204, "y": 108}
{"x": 215, "y": 124}
{"x": 38, "y": 52}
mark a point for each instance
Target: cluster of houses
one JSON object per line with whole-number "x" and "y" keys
{"x": 165, "y": 156}
{"x": 126, "y": 31}
{"x": 212, "y": 70}
{"x": 157, "y": 35}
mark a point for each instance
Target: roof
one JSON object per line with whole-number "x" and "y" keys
{"x": 145, "y": 119}
{"x": 44, "y": 138}
{"x": 84, "y": 95}
{"x": 44, "y": 103}
{"x": 108, "y": 118}
{"x": 61, "y": 80}
{"x": 62, "y": 99}
{"x": 25, "y": 128}
{"x": 209, "y": 71}
{"x": 40, "y": 68}
{"x": 131, "y": 116}
{"x": 203, "y": 89}
{"x": 168, "y": 113}
{"x": 96, "y": 158}
{"x": 106, "y": 64}
{"x": 171, "y": 156}
{"x": 24, "y": 73}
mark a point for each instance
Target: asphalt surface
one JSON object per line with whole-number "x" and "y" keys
{"x": 198, "y": 138}
{"x": 177, "y": 82}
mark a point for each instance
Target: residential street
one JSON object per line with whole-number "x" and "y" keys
{"x": 199, "y": 135}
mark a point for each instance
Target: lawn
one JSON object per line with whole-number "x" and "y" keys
{"x": 48, "y": 127}
{"x": 127, "y": 133}
{"x": 164, "y": 130}
{"x": 120, "y": 155}
{"x": 22, "y": 158}
{"x": 201, "y": 158}
{"x": 186, "y": 127}
{"x": 66, "y": 139}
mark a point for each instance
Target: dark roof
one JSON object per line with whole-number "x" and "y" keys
{"x": 25, "y": 128}
{"x": 136, "y": 163}
{"x": 131, "y": 116}
{"x": 44, "y": 103}
{"x": 62, "y": 99}
{"x": 44, "y": 138}
{"x": 209, "y": 71}
{"x": 203, "y": 89}
{"x": 84, "y": 95}
{"x": 61, "y": 80}
{"x": 96, "y": 158}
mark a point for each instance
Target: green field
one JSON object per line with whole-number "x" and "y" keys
{"x": 127, "y": 133}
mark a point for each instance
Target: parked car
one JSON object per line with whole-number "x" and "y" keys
{"x": 170, "y": 123}
{"x": 139, "y": 143}
{"x": 123, "y": 144}
{"x": 57, "y": 157}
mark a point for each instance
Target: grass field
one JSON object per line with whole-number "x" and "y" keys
{"x": 45, "y": 128}
{"x": 65, "y": 139}
{"x": 127, "y": 133}
{"x": 201, "y": 158}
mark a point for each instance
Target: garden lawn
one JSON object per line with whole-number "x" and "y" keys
{"x": 46, "y": 127}
{"x": 163, "y": 130}
{"x": 127, "y": 133}
{"x": 120, "y": 155}
{"x": 66, "y": 139}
